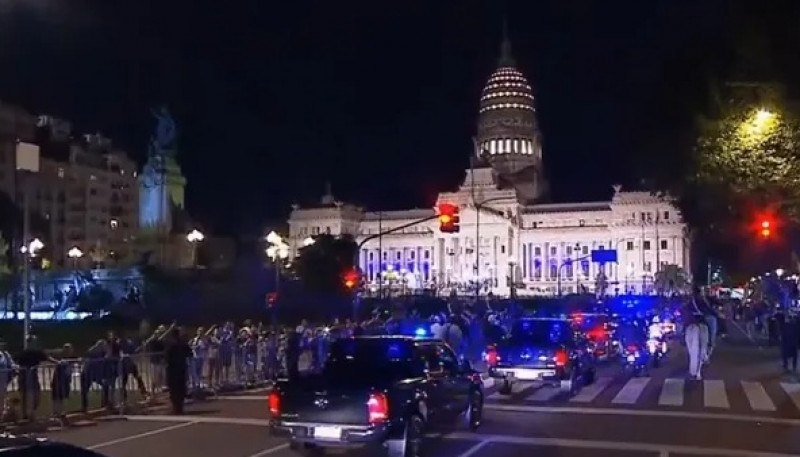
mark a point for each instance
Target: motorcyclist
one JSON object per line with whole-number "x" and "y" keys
{"x": 655, "y": 333}
{"x": 631, "y": 332}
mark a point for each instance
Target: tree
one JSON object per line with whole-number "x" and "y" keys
{"x": 320, "y": 266}
{"x": 672, "y": 279}
{"x": 753, "y": 154}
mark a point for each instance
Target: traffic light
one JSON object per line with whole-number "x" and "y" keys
{"x": 449, "y": 219}
{"x": 766, "y": 228}
{"x": 352, "y": 279}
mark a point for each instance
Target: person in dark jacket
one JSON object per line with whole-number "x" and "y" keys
{"x": 789, "y": 328}
{"x": 60, "y": 383}
{"x": 177, "y": 358}
{"x": 293, "y": 354}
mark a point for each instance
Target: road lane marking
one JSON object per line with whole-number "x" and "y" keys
{"x": 474, "y": 449}
{"x": 590, "y": 392}
{"x": 630, "y": 391}
{"x": 271, "y": 450}
{"x": 241, "y": 397}
{"x": 544, "y": 393}
{"x": 672, "y": 392}
{"x": 793, "y": 391}
{"x": 141, "y": 435}
{"x": 202, "y": 420}
{"x": 616, "y": 446}
{"x": 757, "y": 396}
{"x": 640, "y": 413}
{"x": 714, "y": 394}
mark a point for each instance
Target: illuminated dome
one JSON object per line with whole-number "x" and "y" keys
{"x": 508, "y": 134}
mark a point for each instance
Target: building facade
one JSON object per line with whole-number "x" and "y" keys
{"x": 88, "y": 197}
{"x": 511, "y": 242}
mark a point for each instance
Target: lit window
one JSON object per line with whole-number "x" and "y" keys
{"x": 92, "y": 178}
{"x": 113, "y": 223}
{"x": 60, "y": 172}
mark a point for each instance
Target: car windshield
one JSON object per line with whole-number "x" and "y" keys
{"x": 543, "y": 332}
{"x": 373, "y": 359}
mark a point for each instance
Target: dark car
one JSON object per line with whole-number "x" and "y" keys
{"x": 381, "y": 392}
{"x": 541, "y": 349}
{"x": 24, "y": 446}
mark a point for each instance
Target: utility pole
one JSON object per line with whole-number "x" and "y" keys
{"x": 27, "y": 158}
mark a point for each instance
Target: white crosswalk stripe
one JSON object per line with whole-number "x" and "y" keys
{"x": 714, "y": 394}
{"x": 672, "y": 392}
{"x": 590, "y": 392}
{"x": 631, "y": 391}
{"x": 793, "y": 391}
{"x": 757, "y": 396}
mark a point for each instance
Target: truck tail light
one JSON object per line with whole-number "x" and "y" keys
{"x": 561, "y": 358}
{"x": 378, "y": 408}
{"x": 274, "y": 401}
{"x": 491, "y": 356}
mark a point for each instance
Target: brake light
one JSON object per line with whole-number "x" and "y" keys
{"x": 597, "y": 334}
{"x": 491, "y": 356}
{"x": 274, "y": 401}
{"x": 632, "y": 348}
{"x": 378, "y": 408}
{"x": 560, "y": 358}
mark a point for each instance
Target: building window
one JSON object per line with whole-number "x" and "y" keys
{"x": 553, "y": 250}
{"x": 327, "y": 230}
{"x": 582, "y": 222}
{"x": 537, "y": 251}
{"x": 399, "y": 255}
{"x": 663, "y": 244}
{"x": 666, "y": 215}
{"x": 385, "y": 256}
{"x": 411, "y": 255}
{"x": 502, "y": 249}
{"x": 427, "y": 254}
{"x": 585, "y": 250}
{"x": 371, "y": 255}
{"x": 648, "y": 266}
{"x": 60, "y": 172}
{"x": 646, "y": 245}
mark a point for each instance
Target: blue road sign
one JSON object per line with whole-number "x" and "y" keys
{"x": 604, "y": 255}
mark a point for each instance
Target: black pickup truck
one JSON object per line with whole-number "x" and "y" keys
{"x": 380, "y": 392}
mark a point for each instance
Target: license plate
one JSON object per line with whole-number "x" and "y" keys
{"x": 545, "y": 374}
{"x": 631, "y": 358}
{"x": 328, "y": 433}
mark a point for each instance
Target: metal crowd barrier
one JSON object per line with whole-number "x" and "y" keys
{"x": 52, "y": 391}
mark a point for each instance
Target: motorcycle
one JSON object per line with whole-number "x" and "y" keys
{"x": 656, "y": 348}
{"x": 634, "y": 360}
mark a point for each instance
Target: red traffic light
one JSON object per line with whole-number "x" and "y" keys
{"x": 448, "y": 218}
{"x": 766, "y": 225}
{"x": 352, "y": 278}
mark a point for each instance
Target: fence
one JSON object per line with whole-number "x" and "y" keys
{"x": 50, "y": 391}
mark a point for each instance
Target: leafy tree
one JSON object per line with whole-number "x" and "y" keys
{"x": 672, "y": 279}
{"x": 321, "y": 265}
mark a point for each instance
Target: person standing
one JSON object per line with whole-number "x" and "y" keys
{"x": 177, "y": 358}
{"x": 789, "y": 328}
{"x": 696, "y": 335}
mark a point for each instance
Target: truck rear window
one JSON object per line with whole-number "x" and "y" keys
{"x": 372, "y": 359}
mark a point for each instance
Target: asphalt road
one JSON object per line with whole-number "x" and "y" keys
{"x": 659, "y": 415}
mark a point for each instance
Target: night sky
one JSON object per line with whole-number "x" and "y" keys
{"x": 274, "y": 98}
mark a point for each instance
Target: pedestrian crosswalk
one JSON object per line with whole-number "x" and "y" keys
{"x": 676, "y": 393}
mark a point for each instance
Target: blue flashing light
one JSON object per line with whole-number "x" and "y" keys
{"x": 420, "y": 333}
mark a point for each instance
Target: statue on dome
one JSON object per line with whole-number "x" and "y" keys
{"x": 162, "y": 143}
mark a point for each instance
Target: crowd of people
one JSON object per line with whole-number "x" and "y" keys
{"x": 182, "y": 361}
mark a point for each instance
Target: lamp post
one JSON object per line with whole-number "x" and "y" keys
{"x": 27, "y": 164}
{"x": 28, "y": 252}
{"x": 194, "y": 237}
{"x": 74, "y": 254}
{"x": 278, "y": 251}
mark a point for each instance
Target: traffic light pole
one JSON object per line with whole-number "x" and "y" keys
{"x": 366, "y": 240}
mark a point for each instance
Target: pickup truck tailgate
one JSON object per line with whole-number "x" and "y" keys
{"x": 325, "y": 406}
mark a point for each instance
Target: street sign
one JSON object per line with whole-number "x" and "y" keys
{"x": 604, "y": 256}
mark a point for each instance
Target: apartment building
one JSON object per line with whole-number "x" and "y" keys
{"x": 86, "y": 191}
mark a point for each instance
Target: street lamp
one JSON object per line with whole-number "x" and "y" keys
{"x": 74, "y": 253}
{"x": 308, "y": 242}
{"x": 779, "y": 272}
{"x": 194, "y": 237}
{"x": 278, "y": 251}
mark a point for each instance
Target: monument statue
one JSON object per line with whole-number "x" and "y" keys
{"x": 163, "y": 142}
